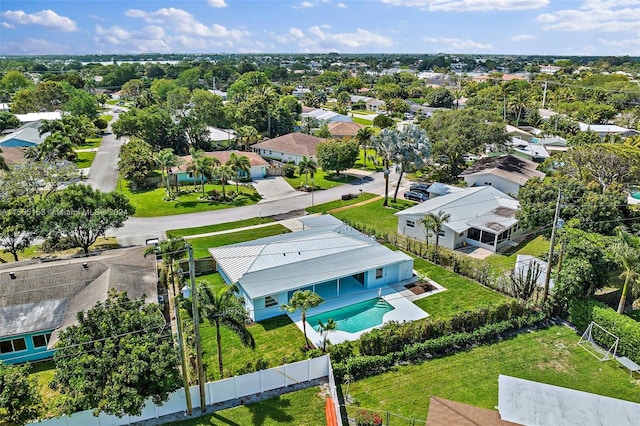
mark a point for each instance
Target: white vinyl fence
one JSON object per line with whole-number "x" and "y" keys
{"x": 238, "y": 387}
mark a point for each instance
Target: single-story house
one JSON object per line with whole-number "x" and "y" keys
{"x": 554, "y": 144}
{"x": 324, "y": 116}
{"x": 221, "y": 135}
{"x": 437, "y": 189}
{"x": 259, "y": 165}
{"x": 289, "y": 148}
{"x": 528, "y": 150}
{"x": 507, "y": 173}
{"x": 26, "y": 136}
{"x": 607, "y": 129}
{"x": 38, "y": 299}
{"x": 333, "y": 260}
{"x": 341, "y": 129}
{"x": 481, "y": 216}
{"x": 518, "y": 133}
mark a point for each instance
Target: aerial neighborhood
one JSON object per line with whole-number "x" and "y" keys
{"x": 316, "y": 238}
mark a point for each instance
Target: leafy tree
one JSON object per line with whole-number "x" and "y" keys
{"x": 291, "y": 104}
{"x": 626, "y": 252}
{"x": 323, "y": 131}
{"x": 397, "y": 105}
{"x": 119, "y": 354}
{"x": 3, "y": 163}
{"x": 8, "y": 121}
{"x": 14, "y": 80}
{"x": 101, "y": 124}
{"x": 303, "y": 300}
{"x": 47, "y": 96}
{"x": 307, "y": 167}
{"x": 208, "y": 108}
{"x": 222, "y": 308}
{"x": 337, "y": 155}
{"x": 82, "y": 103}
{"x": 440, "y": 98}
{"x": 82, "y": 214}
{"x": 136, "y": 161}
{"x": 37, "y": 180}
{"x": 239, "y": 163}
{"x": 435, "y": 221}
{"x": 19, "y": 397}
{"x": 18, "y": 225}
{"x": 132, "y": 88}
{"x": 154, "y": 125}
{"x": 161, "y": 87}
{"x": 383, "y": 121}
{"x": 56, "y": 147}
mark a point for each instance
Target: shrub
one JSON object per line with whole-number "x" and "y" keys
{"x": 289, "y": 170}
{"x": 57, "y": 243}
{"x": 368, "y": 418}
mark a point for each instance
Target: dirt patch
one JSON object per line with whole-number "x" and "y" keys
{"x": 420, "y": 287}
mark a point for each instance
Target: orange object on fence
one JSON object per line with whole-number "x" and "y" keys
{"x": 330, "y": 413}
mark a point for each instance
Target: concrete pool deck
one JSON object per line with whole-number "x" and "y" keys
{"x": 404, "y": 310}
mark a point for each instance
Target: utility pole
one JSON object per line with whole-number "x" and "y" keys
{"x": 183, "y": 356}
{"x": 544, "y": 93}
{"x": 196, "y": 328}
{"x": 547, "y": 276}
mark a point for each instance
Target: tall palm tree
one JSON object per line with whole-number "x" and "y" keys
{"x": 166, "y": 159}
{"x": 239, "y": 163}
{"x": 436, "y": 220}
{"x": 411, "y": 152}
{"x": 202, "y": 166}
{"x": 56, "y": 146}
{"x": 325, "y": 329}
{"x": 307, "y": 166}
{"x": 428, "y": 223}
{"x": 224, "y": 173}
{"x": 171, "y": 250}
{"x": 385, "y": 144}
{"x": 223, "y": 308}
{"x": 303, "y": 301}
{"x": 626, "y": 250}
{"x": 363, "y": 137}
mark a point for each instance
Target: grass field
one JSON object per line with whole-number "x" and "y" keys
{"x": 85, "y": 159}
{"x": 362, "y": 121}
{"x": 300, "y": 408}
{"x": 200, "y": 245}
{"x": 325, "y": 207}
{"x": 150, "y": 202}
{"x": 321, "y": 180}
{"x": 185, "y": 232}
{"x": 107, "y": 117}
{"x": 549, "y": 356}
{"x": 375, "y": 215}
{"x": 372, "y": 165}
{"x": 91, "y": 143}
{"x": 504, "y": 262}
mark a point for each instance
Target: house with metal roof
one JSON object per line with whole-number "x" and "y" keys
{"x": 289, "y": 148}
{"x": 507, "y": 173}
{"x": 481, "y": 216}
{"x": 324, "y": 115}
{"x": 27, "y": 135}
{"x": 39, "y": 299}
{"x": 330, "y": 258}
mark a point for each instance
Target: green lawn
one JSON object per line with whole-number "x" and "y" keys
{"x": 150, "y": 202}
{"x": 374, "y": 166}
{"x": 91, "y": 143}
{"x": 43, "y": 371}
{"x": 549, "y": 356}
{"x": 376, "y": 216}
{"x": 200, "y": 245}
{"x": 321, "y": 180}
{"x": 301, "y": 408}
{"x": 362, "y": 121}
{"x": 84, "y": 159}
{"x": 185, "y": 232}
{"x": 462, "y": 293}
{"x": 325, "y": 207}
{"x": 106, "y": 117}
{"x": 28, "y": 253}
{"x": 505, "y": 262}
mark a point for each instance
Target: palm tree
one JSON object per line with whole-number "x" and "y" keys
{"x": 56, "y": 146}
{"x": 363, "y": 137}
{"x": 239, "y": 163}
{"x": 307, "y": 166}
{"x": 224, "y": 173}
{"x": 303, "y": 301}
{"x": 436, "y": 221}
{"x": 202, "y": 166}
{"x": 325, "y": 329}
{"x": 428, "y": 223}
{"x": 223, "y": 308}
{"x": 412, "y": 152}
{"x": 384, "y": 144}
{"x": 171, "y": 250}
{"x": 3, "y": 163}
{"x": 626, "y": 250}
{"x": 166, "y": 159}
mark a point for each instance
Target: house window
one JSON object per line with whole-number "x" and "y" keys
{"x": 441, "y": 233}
{"x": 41, "y": 340}
{"x": 270, "y": 302}
{"x": 14, "y": 345}
{"x": 190, "y": 175}
{"x": 378, "y": 273}
{"x": 411, "y": 224}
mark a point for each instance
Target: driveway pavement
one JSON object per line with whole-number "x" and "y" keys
{"x": 274, "y": 188}
{"x": 103, "y": 174}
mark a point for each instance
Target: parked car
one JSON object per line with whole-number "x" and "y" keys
{"x": 420, "y": 187}
{"x": 415, "y": 196}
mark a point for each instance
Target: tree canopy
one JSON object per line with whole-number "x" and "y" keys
{"x": 337, "y": 155}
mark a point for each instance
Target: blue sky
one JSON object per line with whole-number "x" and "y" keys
{"x": 549, "y": 27}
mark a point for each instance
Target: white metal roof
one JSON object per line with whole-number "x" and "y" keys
{"x": 35, "y": 116}
{"x": 483, "y": 207}
{"x": 538, "y": 404}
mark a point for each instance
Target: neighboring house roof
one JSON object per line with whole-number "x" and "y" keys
{"x": 46, "y": 296}
{"x": 292, "y": 143}
{"x": 443, "y": 412}
{"x": 216, "y": 134}
{"x": 290, "y": 261}
{"x": 341, "y": 128}
{"x": 438, "y": 188}
{"x": 27, "y": 135}
{"x": 607, "y": 129}
{"x": 532, "y": 403}
{"x": 535, "y": 151}
{"x": 223, "y": 157}
{"x": 508, "y": 167}
{"x": 482, "y": 207}
{"x": 546, "y": 114}
{"x": 35, "y": 116}
{"x": 12, "y": 154}
{"x": 325, "y": 115}
{"x": 520, "y": 133}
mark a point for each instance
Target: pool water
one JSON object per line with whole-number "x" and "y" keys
{"x": 354, "y": 318}
{"x": 636, "y": 195}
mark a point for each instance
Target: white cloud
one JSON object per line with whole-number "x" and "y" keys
{"x": 180, "y": 21}
{"x": 217, "y": 3}
{"x": 607, "y": 20}
{"x": 455, "y": 43}
{"x": 523, "y": 37}
{"x": 304, "y": 5}
{"x": 469, "y": 5}
{"x": 296, "y": 33}
{"x": 318, "y": 38}
{"x": 341, "y": 5}
{"x": 47, "y": 18}
{"x": 7, "y": 25}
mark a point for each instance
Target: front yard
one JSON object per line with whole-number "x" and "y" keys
{"x": 321, "y": 180}
{"x": 201, "y": 245}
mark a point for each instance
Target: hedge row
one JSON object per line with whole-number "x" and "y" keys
{"x": 394, "y": 336}
{"x": 582, "y": 312}
{"x": 362, "y": 366}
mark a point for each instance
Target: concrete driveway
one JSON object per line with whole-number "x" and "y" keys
{"x": 274, "y": 188}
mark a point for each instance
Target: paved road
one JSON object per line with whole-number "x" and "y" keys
{"x": 104, "y": 169}
{"x": 137, "y": 230}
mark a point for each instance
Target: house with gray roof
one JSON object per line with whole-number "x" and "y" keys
{"x": 27, "y": 135}
{"x": 39, "y": 299}
{"x": 289, "y": 148}
{"x": 507, "y": 173}
{"x": 481, "y": 216}
{"x": 330, "y": 258}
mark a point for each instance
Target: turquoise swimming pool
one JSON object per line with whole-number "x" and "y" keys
{"x": 636, "y": 195}
{"x": 356, "y": 317}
